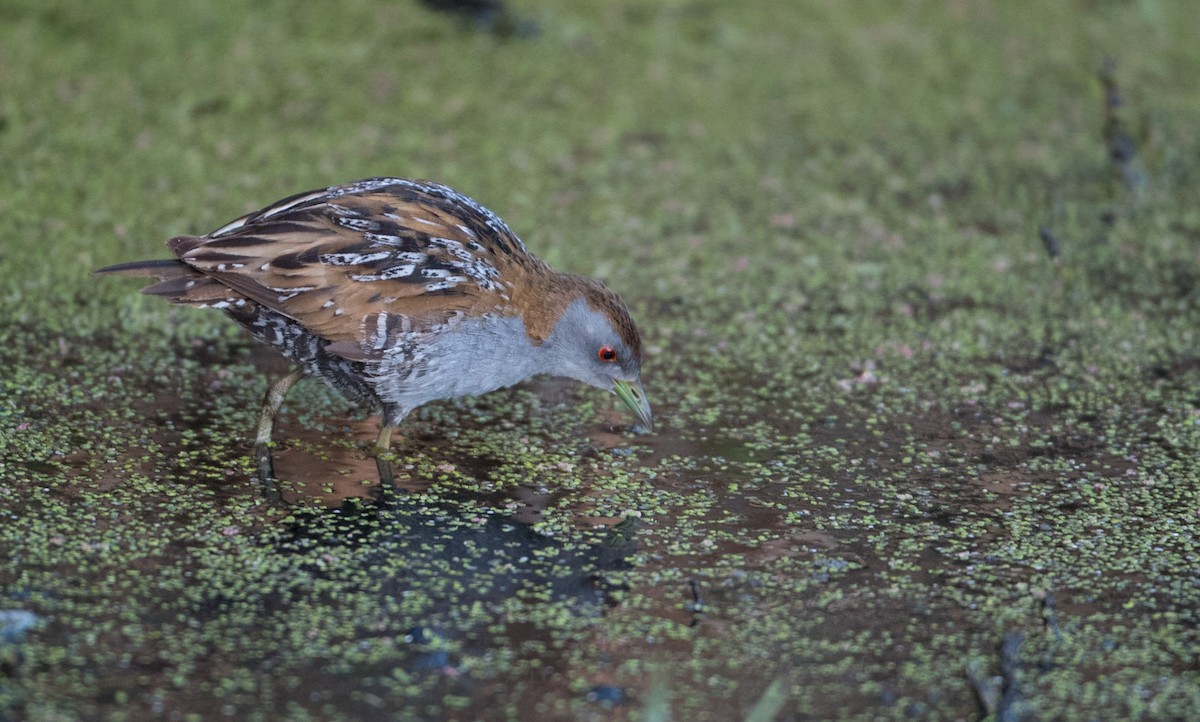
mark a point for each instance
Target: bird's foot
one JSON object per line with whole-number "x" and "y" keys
{"x": 384, "y": 466}
{"x": 386, "y": 491}
{"x": 263, "y": 462}
{"x": 383, "y": 457}
{"x": 265, "y": 465}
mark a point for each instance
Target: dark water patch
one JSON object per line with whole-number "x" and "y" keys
{"x": 404, "y": 592}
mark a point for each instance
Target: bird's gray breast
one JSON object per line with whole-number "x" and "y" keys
{"x": 463, "y": 357}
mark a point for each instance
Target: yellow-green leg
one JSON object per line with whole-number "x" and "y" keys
{"x": 380, "y": 452}
{"x": 266, "y": 424}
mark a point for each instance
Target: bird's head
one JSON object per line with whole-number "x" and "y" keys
{"x": 595, "y": 341}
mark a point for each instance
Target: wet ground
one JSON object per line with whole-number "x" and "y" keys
{"x": 870, "y": 554}
{"x": 918, "y": 284}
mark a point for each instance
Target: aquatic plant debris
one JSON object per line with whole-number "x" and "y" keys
{"x": 907, "y": 461}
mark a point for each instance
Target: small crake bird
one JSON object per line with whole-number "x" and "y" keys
{"x": 400, "y": 292}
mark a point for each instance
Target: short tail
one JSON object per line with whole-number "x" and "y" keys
{"x": 177, "y": 282}
{"x": 161, "y": 269}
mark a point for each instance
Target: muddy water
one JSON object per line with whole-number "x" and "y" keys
{"x": 537, "y": 561}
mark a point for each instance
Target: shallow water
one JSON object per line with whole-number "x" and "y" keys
{"x": 529, "y": 564}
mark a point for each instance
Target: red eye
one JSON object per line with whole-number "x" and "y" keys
{"x": 607, "y": 353}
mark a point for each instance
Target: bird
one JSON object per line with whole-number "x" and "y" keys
{"x": 399, "y": 292}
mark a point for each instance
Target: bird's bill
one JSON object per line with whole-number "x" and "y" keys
{"x": 634, "y": 396}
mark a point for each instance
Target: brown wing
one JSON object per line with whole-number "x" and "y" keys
{"x": 355, "y": 263}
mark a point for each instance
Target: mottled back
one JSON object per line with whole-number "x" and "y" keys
{"x": 353, "y": 263}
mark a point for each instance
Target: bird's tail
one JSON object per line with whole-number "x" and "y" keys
{"x": 177, "y": 282}
{"x": 160, "y": 269}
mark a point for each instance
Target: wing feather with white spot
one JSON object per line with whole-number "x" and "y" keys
{"x": 359, "y": 263}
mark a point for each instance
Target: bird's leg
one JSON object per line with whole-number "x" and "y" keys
{"x": 266, "y": 424}
{"x": 380, "y": 452}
